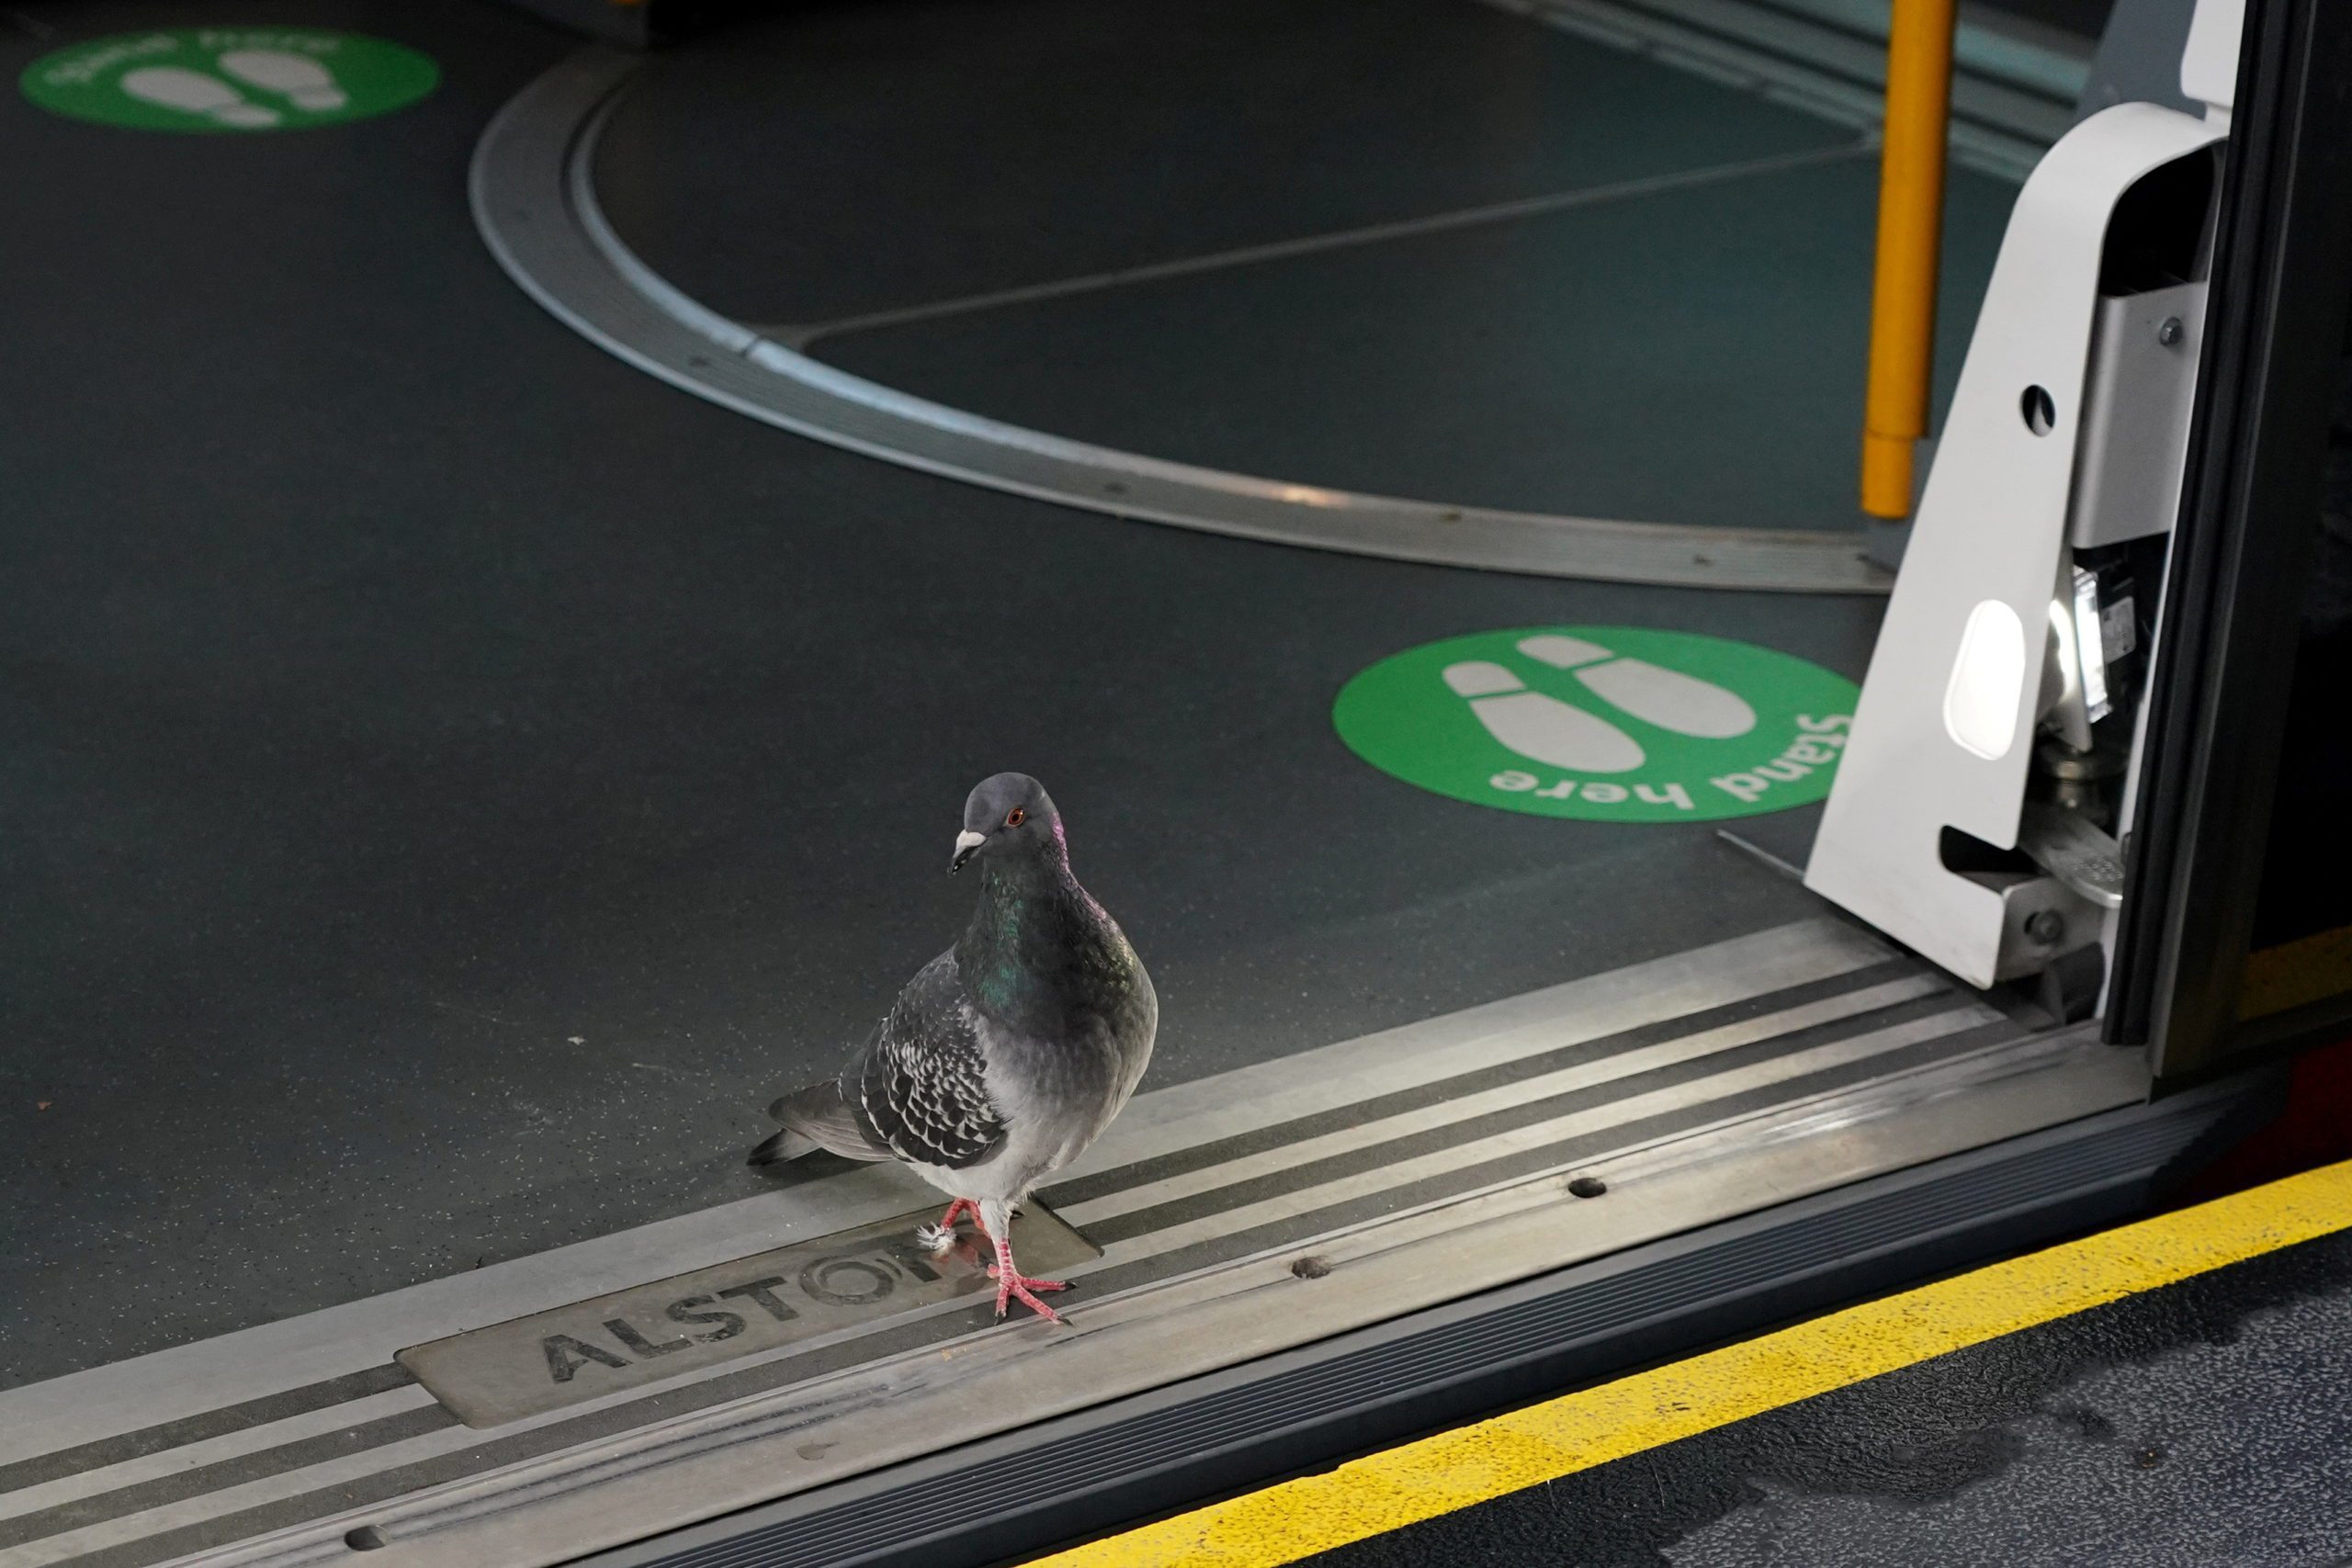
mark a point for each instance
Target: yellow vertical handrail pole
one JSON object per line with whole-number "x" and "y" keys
{"x": 1910, "y": 233}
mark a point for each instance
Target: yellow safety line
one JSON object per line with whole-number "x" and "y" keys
{"x": 1454, "y": 1470}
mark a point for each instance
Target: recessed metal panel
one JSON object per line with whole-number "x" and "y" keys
{"x": 850, "y": 1280}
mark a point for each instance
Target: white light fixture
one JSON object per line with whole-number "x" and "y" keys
{"x": 1987, "y": 683}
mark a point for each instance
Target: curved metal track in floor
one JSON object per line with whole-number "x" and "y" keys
{"x": 534, "y": 202}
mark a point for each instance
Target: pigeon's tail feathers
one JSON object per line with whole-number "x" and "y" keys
{"x": 818, "y": 1118}
{"x": 784, "y": 1145}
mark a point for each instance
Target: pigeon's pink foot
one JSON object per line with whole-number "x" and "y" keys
{"x": 957, "y": 1211}
{"x": 1010, "y": 1285}
{"x": 1010, "y": 1281}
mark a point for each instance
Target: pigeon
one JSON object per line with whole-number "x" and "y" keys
{"x": 1007, "y": 1054}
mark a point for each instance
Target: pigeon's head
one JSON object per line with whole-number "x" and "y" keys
{"x": 1007, "y": 815}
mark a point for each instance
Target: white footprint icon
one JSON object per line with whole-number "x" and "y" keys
{"x": 192, "y": 92}
{"x": 1667, "y": 698}
{"x": 1540, "y": 728}
{"x": 296, "y": 76}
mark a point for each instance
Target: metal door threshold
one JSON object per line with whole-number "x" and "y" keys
{"x": 1239, "y": 1220}
{"x": 1105, "y": 1468}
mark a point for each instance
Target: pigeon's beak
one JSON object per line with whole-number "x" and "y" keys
{"x": 968, "y": 843}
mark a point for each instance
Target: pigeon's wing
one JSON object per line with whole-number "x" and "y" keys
{"x": 921, "y": 1088}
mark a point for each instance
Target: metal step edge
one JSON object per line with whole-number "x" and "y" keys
{"x": 1089, "y": 1472}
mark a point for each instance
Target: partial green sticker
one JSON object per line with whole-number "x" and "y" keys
{"x": 207, "y": 79}
{"x": 1608, "y": 723}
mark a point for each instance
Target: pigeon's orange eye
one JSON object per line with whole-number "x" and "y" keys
{"x": 1016, "y": 817}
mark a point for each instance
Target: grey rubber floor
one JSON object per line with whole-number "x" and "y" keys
{"x": 450, "y": 781}
{"x": 1611, "y": 360}
{"x": 954, "y": 149}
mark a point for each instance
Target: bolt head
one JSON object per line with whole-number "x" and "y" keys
{"x": 2045, "y": 927}
{"x": 2169, "y": 331}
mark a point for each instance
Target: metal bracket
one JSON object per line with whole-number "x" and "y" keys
{"x": 1942, "y": 738}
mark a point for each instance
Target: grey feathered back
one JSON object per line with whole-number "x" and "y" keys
{"x": 920, "y": 1087}
{"x": 917, "y": 1092}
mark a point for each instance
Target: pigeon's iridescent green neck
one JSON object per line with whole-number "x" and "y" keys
{"x": 1034, "y": 942}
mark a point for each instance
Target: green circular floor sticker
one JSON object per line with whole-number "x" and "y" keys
{"x": 207, "y": 79}
{"x": 1609, "y": 724}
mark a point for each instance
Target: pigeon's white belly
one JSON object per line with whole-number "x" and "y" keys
{"x": 1010, "y": 1173}
{"x": 996, "y": 1180}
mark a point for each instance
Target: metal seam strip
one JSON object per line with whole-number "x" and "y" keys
{"x": 169, "y": 1435}
{"x": 798, "y": 336}
{"x": 1324, "y": 1077}
{"x": 535, "y": 208}
{"x": 1199, "y": 1157}
{"x": 101, "y": 1507}
{"x": 1375, "y": 1156}
{"x": 1623, "y": 1072}
{"x": 227, "y": 1446}
{"x": 1523, "y": 1163}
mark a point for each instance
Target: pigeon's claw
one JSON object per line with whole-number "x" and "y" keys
{"x": 1010, "y": 1285}
{"x": 1022, "y": 1281}
{"x": 1006, "y": 1271}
